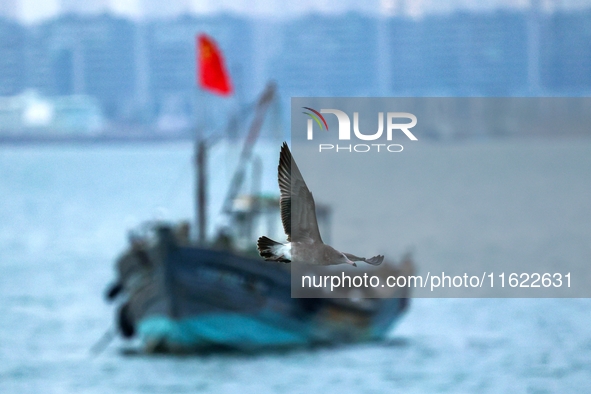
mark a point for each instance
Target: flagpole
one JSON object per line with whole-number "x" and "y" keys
{"x": 201, "y": 180}
{"x": 211, "y": 76}
{"x": 201, "y": 187}
{"x": 200, "y": 155}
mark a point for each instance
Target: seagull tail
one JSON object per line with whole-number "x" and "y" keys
{"x": 271, "y": 250}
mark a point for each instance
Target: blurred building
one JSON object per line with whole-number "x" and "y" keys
{"x": 461, "y": 54}
{"x": 13, "y": 40}
{"x": 92, "y": 55}
{"x": 30, "y": 113}
{"x": 144, "y": 72}
{"x": 565, "y": 58}
{"x": 158, "y": 9}
{"x": 326, "y": 55}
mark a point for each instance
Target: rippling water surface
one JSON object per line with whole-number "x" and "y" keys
{"x": 63, "y": 218}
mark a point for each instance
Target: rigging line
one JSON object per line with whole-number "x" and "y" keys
{"x": 175, "y": 185}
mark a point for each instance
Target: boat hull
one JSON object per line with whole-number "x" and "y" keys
{"x": 197, "y": 298}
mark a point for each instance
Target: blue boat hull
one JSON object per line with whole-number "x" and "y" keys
{"x": 197, "y": 298}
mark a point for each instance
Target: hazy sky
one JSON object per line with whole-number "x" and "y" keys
{"x": 31, "y": 11}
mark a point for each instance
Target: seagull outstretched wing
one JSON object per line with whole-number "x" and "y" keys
{"x": 298, "y": 211}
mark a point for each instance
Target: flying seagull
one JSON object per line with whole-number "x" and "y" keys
{"x": 298, "y": 214}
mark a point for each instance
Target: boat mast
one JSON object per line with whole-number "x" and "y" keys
{"x": 201, "y": 186}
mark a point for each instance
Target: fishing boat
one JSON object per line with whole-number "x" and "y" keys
{"x": 179, "y": 294}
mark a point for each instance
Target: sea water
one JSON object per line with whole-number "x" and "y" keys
{"x": 64, "y": 214}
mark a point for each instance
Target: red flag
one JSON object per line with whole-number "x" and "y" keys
{"x": 211, "y": 71}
